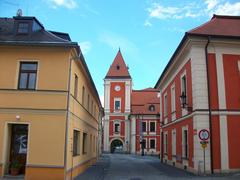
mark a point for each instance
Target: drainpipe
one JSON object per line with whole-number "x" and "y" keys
{"x": 209, "y": 103}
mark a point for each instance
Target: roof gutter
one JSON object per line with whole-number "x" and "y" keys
{"x": 209, "y": 103}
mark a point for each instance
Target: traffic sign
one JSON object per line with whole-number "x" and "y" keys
{"x": 203, "y": 134}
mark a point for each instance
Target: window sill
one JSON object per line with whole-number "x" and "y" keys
{"x": 75, "y": 155}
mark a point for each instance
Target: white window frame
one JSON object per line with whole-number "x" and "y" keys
{"x": 173, "y": 102}
{"x": 185, "y": 128}
{"x": 149, "y": 127}
{"x": 119, "y": 130}
{"x": 155, "y": 142}
{"x": 174, "y": 142}
{"x": 117, "y": 99}
{"x": 184, "y": 111}
{"x": 144, "y": 132}
{"x": 165, "y": 143}
{"x": 165, "y": 108}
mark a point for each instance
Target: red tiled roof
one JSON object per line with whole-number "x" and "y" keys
{"x": 142, "y": 99}
{"x": 219, "y": 26}
{"x": 118, "y": 69}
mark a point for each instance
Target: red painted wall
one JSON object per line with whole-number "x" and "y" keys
{"x": 111, "y": 125}
{"x": 232, "y": 81}
{"x": 233, "y": 141}
{"x": 177, "y": 81}
{"x": 178, "y": 127}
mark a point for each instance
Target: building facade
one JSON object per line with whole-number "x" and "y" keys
{"x": 49, "y": 109}
{"x": 199, "y": 89}
{"x": 123, "y": 119}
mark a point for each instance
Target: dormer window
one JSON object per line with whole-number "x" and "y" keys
{"x": 118, "y": 67}
{"x": 151, "y": 108}
{"x": 23, "y": 28}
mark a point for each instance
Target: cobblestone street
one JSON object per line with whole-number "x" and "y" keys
{"x": 131, "y": 167}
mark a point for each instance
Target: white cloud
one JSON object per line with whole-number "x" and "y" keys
{"x": 211, "y": 4}
{"x": 116, "y": 41}
{"x": 228, "y": 9}
{"x": 70, "y": 4}
{"x": 147, "y": 23}
{"x": 194, "y": 9}
{"x": 85, "y": 46}
{"x": 161, "y": 12}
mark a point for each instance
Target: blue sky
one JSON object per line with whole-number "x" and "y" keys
{"x": 147, "y": 31}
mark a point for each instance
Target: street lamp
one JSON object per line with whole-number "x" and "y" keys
{"x": 183, "y": 100}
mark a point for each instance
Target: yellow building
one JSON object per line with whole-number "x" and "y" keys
{"x": 50, "y": 111}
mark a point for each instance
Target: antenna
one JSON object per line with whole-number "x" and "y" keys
{"x": 19, "y": 12}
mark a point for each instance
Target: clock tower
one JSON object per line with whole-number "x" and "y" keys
{"x": 117, "y": 96}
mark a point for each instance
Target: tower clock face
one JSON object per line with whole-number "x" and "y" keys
{"x": 117, "y": 88}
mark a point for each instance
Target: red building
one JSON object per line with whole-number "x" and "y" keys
{"x": 130, "y": 116}
{"x": 200, "y": 89}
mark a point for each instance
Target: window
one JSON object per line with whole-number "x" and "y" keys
{"x": 27, "y": 75}
{"x": 23, "y": 28}
{"x": 117, "y": 128}
{"x": 92, "y": 107}
{"x": 83, "y": 95}
{"x": 88, "y": 102}
{"x": 144, "y": 127}
{"x": 152, "y": 127}
{"x": 173, "y": 99}
{"x": 76, "y": 142}
{"x": 152, "y": 144}
{"x": 151, "y": 108}
{"x": 76, "y": 86}
{"x": 165, "y": 105}
{"x": 117, "y": 104}
{"x": 185, "y": 143}
{"x": 174, "y": 142}
{"x": 184, "y": 85}
{"x": 165, "y": 143}
{"x": 84, "y": 147}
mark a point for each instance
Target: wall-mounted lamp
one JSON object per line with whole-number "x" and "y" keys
{"x": 183, "y": 100}
{"x": 18, "y": 117}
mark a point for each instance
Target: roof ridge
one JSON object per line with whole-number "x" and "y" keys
{"x": 225, "y": 16}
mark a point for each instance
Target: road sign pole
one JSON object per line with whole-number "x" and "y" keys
{"x": 204, "y": 165}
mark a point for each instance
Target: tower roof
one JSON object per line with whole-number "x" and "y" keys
{"x": 118, "y": 69}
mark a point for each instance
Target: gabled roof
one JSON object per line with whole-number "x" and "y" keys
{"x": 218, "y": 27}
{"x": 118, "y": 69}
{"x": 37, "y": 34}
{"x": 141, "y": 100}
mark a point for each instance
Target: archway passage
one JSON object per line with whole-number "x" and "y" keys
{"x": 116, "y": 146}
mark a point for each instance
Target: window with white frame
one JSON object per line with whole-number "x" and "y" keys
{"x": 152, "y": 143}
{"x": 174, "y": 142}
{"x": 116, "y": 127}
{"x": 184, "y": 85}
{"x": 185, "y": 142}
{"x": 144, "y": 126}
{"x": 165, "y": 143}
{"x": 152, "y": 126}
{"x": 165, "y": 105}
{"x": 173, "y": 99}
{"x": 117, "y": 104}
{"x": 144, "y": 144}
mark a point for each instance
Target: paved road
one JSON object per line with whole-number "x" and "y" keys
{"x": 131, "y": 167}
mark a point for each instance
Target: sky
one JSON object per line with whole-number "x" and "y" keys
{"x": 147, "y": 31}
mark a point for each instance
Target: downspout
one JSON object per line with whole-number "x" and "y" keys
{"x": 209, "y": 104}
{"x": 67, "y": 117}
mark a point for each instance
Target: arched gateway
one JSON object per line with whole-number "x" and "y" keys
{"x": 116, "y": 146}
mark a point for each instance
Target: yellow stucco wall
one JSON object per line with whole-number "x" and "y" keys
{"x": 45, "y": 110}
{"x": 84, "y": 120}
